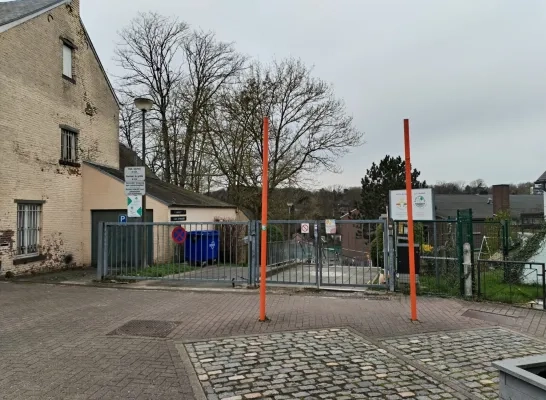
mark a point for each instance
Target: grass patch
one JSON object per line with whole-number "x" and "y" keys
{"x": 495, "y": 288}
{"x": 160, "y": 270}
{"x": 443, "y": 286}
{"x": 492, "y": 284}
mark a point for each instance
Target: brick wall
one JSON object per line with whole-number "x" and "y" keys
{"x": 36, "y": 100}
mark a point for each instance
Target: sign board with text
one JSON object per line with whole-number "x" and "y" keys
{"x": 135, "y": 181}
{"x": 423, "y": 205}
{"x": 134, "y": 206}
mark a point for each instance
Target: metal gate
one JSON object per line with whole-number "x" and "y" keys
{"x": 212, "y": 251}
{"x": 350, "y": 253}
{"x": 308, "y": 253}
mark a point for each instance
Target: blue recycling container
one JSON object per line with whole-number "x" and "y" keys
{"x": 202, "y": 247}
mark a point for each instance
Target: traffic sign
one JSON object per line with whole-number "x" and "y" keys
{"x": 305, "y": 228}
{"x": 122, "y": 219}
{"x": 179, "y": 235}
{"x": 135, "y": 181}
{"x": 134, "y": 206}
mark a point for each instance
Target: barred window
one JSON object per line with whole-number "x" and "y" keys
{"x": 28, "y": 228}
{"x": 69, "y": 145}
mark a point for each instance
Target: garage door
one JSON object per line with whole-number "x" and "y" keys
{"x": 114, "y": 216}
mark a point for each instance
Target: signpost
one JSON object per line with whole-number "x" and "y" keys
{"x": 304, "y": 228}
{"x": 134, "y": 207}
{"x": 135, "y": 182}
{"x": 135, "y": 190}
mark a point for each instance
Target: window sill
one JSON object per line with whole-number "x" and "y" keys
{"x": 70, "y": 163}
{"x": 71, "y": 80}
{"x": 28, "y": 258}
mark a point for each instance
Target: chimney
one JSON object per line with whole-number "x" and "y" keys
{"x": 501, "y": 198}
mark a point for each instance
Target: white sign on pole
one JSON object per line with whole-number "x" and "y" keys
{"x": 134, "y": 206}
{"x": 423, "y": 205}
{"x": 330, "y": 226}
{"x": 135, "y": 181}
{"x": 304, "y": 228}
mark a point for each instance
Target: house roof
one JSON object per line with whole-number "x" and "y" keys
{"x": 448, "y": 204}
{"x": 541, "y": 178}
{"x": 167, "y": 193}
{"x": 14, "y": 11}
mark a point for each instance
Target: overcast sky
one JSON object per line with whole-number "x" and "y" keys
{"x": 470, "y": 75}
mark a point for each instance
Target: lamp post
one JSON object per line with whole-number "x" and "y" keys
{"x": 144, "y": 104}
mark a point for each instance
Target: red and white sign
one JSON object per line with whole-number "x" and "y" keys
{"x": 304, "y": 228}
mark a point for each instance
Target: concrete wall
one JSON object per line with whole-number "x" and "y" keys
{"x": 36, "y": 99}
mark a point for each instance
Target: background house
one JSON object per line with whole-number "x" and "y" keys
{"x": 61, "y": 161}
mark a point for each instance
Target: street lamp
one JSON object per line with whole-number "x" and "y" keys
{"x": 144, "y": 104}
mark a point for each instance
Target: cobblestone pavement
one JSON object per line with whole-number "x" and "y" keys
{"x": 466, "y": 356}
{"x": 55, "y": 342}
{"x": 318, "y": 364}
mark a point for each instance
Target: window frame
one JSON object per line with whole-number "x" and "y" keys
{"x": 67, "y": 131}
{"x": 67, "y": 43}
{"x": 29, "y": 232}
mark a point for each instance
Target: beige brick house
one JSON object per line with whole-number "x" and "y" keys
{"x": 60, "y": 163}
{"x": 57, "y": 110}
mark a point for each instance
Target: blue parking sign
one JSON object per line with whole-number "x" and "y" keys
{"x": 122, "y": 218}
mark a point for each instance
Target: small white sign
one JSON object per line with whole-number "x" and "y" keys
{"x": 423, "y": 205}
{"x": 304, "y": 228}
{"x": 330, "y": 226}
{"x": 134, "y": 174}
{"x": 135, "y": 188}
{"x": 134, "y": 206}
{"x": 135, "y": 181}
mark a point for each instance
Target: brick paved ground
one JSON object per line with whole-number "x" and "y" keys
{"x": 54, "y": 340}
{"x": 320, "y": 364}
{"x": 466, "y": 356}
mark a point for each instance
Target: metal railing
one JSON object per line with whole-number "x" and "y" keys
{"x": 217, "y": 251}
{"x": 298, "y": 252}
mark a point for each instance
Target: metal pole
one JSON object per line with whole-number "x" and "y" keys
{"x": 144, "y": 227}
{"x": 411, "y": 241}
{"x": 263, "y": 242}
{"x": 435, "y": 244}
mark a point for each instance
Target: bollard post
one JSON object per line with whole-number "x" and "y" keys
{"x": 467, "y": 266}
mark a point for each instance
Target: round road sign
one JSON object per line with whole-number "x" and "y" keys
{"x": 179, "y": 235}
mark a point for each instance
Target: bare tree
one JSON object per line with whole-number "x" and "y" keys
{"x": 309, "y": 128}
{"x": 148, "y": 53}
{"x": 129, "y": 124}
{"x": 212, "y": 65}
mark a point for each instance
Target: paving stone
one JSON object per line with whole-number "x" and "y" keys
{"x": 466, "y": 356}
{"x": 325, "y": 364}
